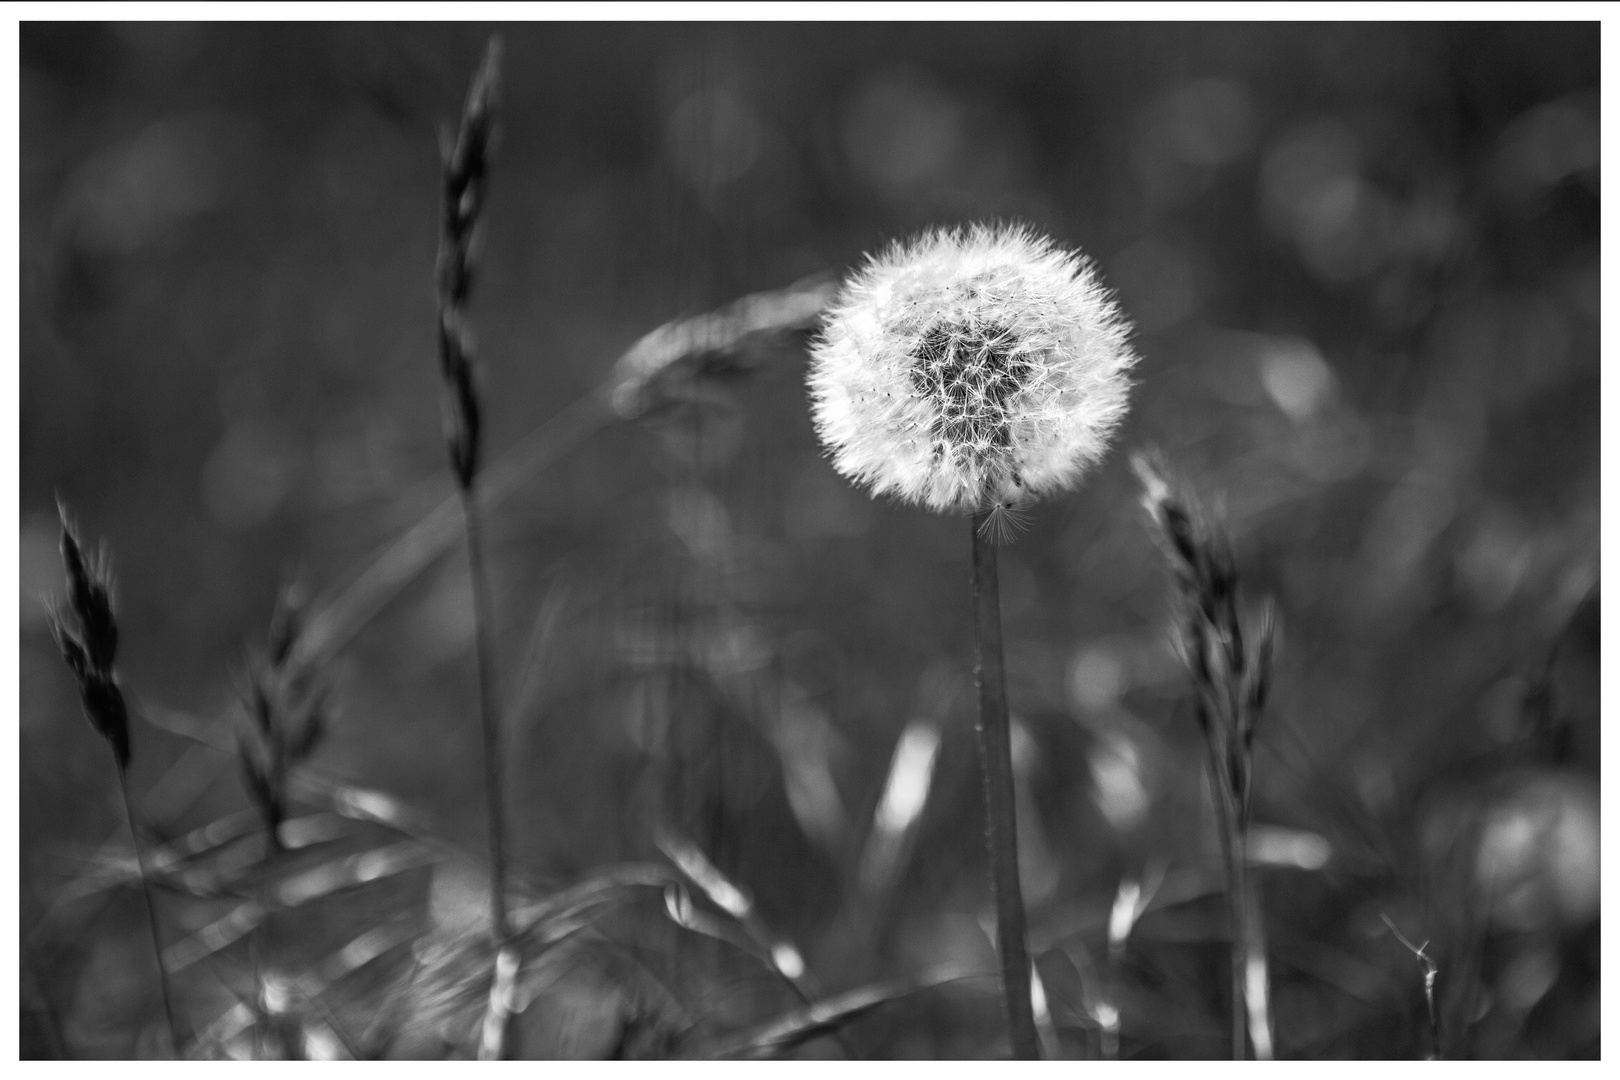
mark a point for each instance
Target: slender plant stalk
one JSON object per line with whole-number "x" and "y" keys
{"x": 1237, "y": 903}
{"x": 151, "y": 912}
{"x": 1230, "y": 667}
{"x": 1430, "y": 972}
{"x": 466, "y": 175}
{"x": 490, "y": 721}
{"x": 1232, "y": 854}
{"x": 995, "y": 757}
{"x": 89, "y": 651}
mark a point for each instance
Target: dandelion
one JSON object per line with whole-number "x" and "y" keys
{"x": 972, "y": 372}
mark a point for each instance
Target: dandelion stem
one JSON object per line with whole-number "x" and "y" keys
{"x": 151, "y": 910}
{"x": 995, "y": 757}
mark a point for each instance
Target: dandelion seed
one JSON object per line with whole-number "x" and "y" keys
{"x": 971, "y": 371}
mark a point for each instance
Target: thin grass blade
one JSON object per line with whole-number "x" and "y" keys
{"x": 825, "y": 1017}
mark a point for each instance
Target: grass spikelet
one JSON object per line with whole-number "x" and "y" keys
{"x": 90, "y": 652}
{"x": 1228, "y": 659}
{"x": 466, "y": 175}
{"x": 286, "y": 718}
{"x": 665, "y": 365}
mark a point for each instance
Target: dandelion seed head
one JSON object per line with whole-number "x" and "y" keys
{"x": 971, "y": 370}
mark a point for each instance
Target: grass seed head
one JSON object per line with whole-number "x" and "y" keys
{"x": 90, "y": 588}
{"x": 971, "y": 369}
{"x": 90, "y": 649}
{"x": 466, "y": 177}
{"x": 285, "y": 708}
{"x": 1228, "y": 657}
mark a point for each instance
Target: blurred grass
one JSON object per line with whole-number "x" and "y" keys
{"x": 1364, "y": 264}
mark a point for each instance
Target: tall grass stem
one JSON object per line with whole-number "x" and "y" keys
{"x": 151, "y": 912}
{"x": 1232, "y": 853}
{"x": 489, "y": 720}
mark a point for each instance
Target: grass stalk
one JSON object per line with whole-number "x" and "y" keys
{"x": 995, "y": 758}
{"x": 1229, "y": 663}
{"x": 466, "y": 176}
{"x": 1232, "y": 854}
{"x": 489, "y": 721}
{"x": 151, "y": 911}
{"x": 90, "y": 647}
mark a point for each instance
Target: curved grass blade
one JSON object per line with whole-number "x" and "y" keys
{"x": 678, "y": 906}
{"x": 541, "y": 926}
{"x": 181, "y": 785}
{"x": 168, "y": 864}
{"x": 677, "y": 351}
{"x": 540, "y": 921}
{"x": 825, "y": 1017}
{"x": 369, "y": 946}
{"x": 469, "y": 993}
{"x": 350, "y": 871}
{"x": 217, "y": 935}
{"x": 663, "y": 364}
{"x": 546, "y": 623}
{"x": 208, "y": 733}
{"x": 777, "y": 952}
{"x": 110, "y": 869}
{"x": 299, "y": 889}
{"x": 348, "y": 800}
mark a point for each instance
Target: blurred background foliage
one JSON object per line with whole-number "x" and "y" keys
{"x": 1363, "y": 261}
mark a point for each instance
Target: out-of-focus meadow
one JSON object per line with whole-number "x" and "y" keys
{"x": 1363, "y": 263}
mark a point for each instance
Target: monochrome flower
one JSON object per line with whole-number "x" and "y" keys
{"x": 971, "y": 370}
